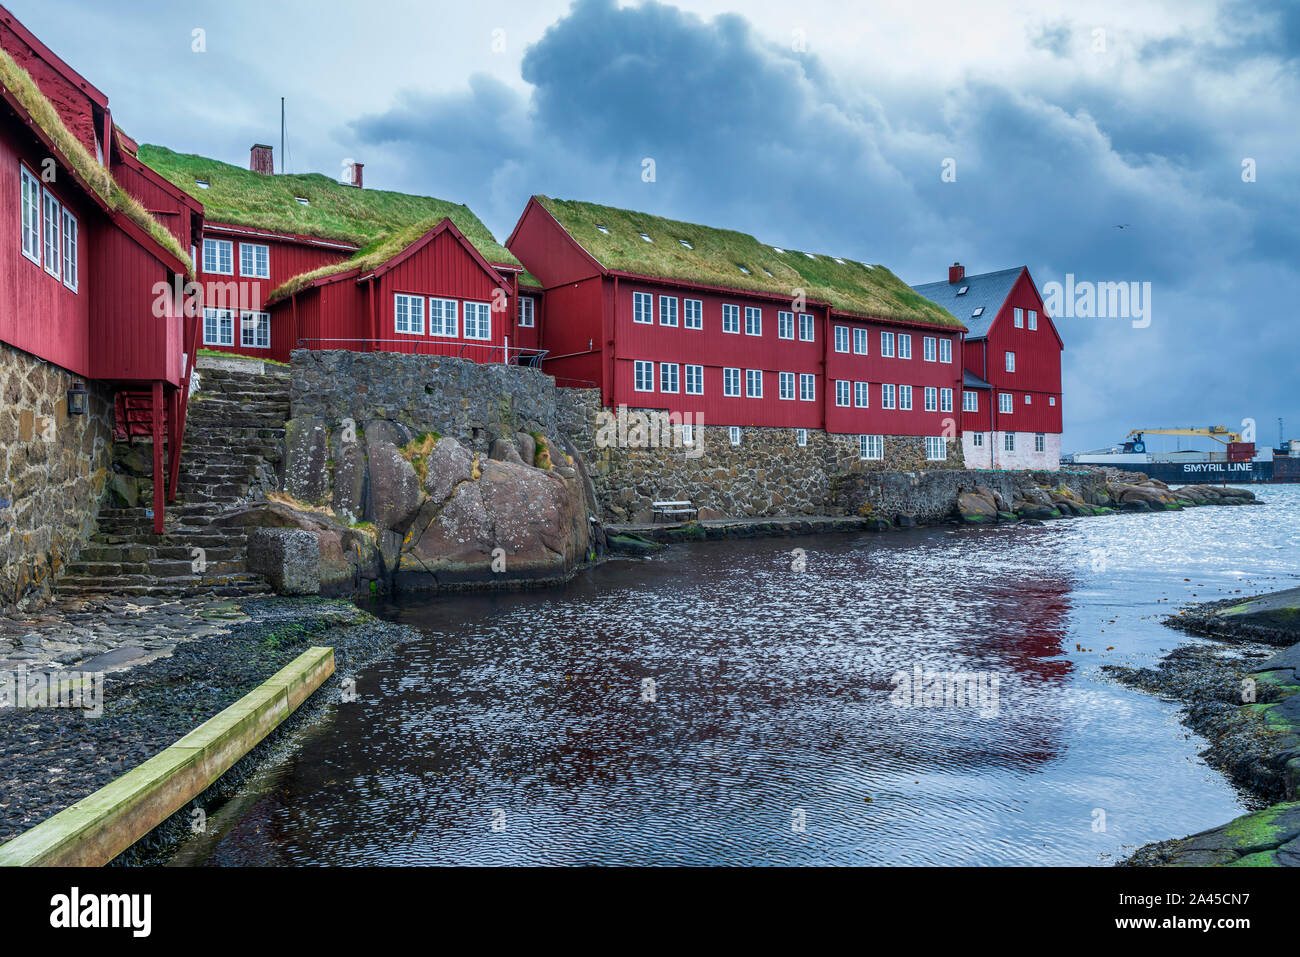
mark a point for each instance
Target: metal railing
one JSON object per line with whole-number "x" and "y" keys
{"x": 475, "y": 352}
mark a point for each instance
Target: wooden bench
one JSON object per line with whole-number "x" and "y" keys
{"x": 669, "y": 510}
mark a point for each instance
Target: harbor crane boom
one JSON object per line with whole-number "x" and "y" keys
{"x": 1219, "y": 433}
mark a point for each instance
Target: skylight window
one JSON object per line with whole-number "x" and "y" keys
{"x": 779, "y": 249}
{"x": 769, "y": 272}
{"x": 686, "y": 244}
{"x": 979, "y": 311}
{"x": 743, "y": 269}
{"x": 603, "y": 229}
{"x": 646, "y": 237}
{"x": 202, "y": 183}
{"x": 302, "y": 200}
{"x": 839, "y": 260}
{"x": 963, "y": 290}
{"x": 810, "y": 255}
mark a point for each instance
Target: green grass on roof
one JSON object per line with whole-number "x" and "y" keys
{"x": 717, "y": 255}
{"x": 20, "y": 83}
{"x": 382, "y": 223}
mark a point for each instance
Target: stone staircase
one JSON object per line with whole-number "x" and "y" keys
{"x": 234, "y": 434}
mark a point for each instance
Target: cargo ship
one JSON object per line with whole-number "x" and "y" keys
{"x": 1235, "y": 463}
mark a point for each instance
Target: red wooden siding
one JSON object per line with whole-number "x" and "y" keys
{"x": 1037, "y": 365}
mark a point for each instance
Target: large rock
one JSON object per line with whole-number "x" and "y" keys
{"x": 527, "y": 446}
{"x": 351, "y": 478}
{"x": 503, "y": 450}
{"x": 978, "y": 507}
{"x": 289, "y": 558}
{"x": 306, "y": 460}
{"x": 394, "y": 492}
{"x": 445, "y": 467}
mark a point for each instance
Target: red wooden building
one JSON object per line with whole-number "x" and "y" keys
{"x": 1012, "y": 416}
{"x": 669, "y": 315}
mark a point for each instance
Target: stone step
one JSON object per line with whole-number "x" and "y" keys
{"x": 223, "y": 589}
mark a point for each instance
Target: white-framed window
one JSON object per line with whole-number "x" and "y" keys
{"x": 929, "y": 349}
{"x": 1005, "y": 403}
{"x": 255, "y": 261}
{"x": 945, "y": 350}
{"x": 69, "y": 249}
{"x": 807, "y": 387}
{"x": 904, "y": 346}
{"x": 970, "y": 401}
{"x": 730, "y": 318}
{"x": 785, "y": 384}
{"x": 977, "y": 439}
{"x": 444, "y": 318}
{"x": 887, "y": 344}
{"x": 807, "y": 331}
{"x": 1019, "y": 317}
{"x": 643, "y": 372}
{"x": 667, "y": 310}
{"x": 527, "y": 311}
{"x": 887, "y": 396}
{"x": 1040, "y": 442}
{"x": 862, "y": 395}
{"x": 1008, "y": 441}
{"x": 785, "y": 325}
{"x": 51, "y": 211}
{"x": 478, "y": 320}
{"x": 1051, "y": 400}
{"x": 219, "y": 256}
{"x": 753, "y": 321}
{"x": 408, "y": 313}
{"x": 733, "y": 433}
{"x": 871, "y": 446}
{"x": 860, "y": 339}
{"x": 843, "y": 389}
{"x": 841, "y": 338}
{"x": 643, "y": 308}
{"x": 905, "y": 398}
{"x": 731, "y": 382}
{"x": 801, "y": 437}
{"x": 1028, "y": 398}
{"x": 1011, "y": 362}
{"x": 255, "y": 330}
{"x": 1032, "y": 316}
{"x": 218, "y": 327}
{"x": 694, "y": 380}
{"x": 936, "y": 448}
{"x": 31, "y": 203}
{"x": 688, "y": 434}
{"x": 668, "y": 377}
{"x": 693, "y": 313}
{"x": 754, "y": 383}
{"x": 945, "y": 400}
{"x": 931, "y": 399}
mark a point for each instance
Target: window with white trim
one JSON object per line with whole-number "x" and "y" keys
{"x": 408, "y": 314}
{"x": 843, "y": 389}
{"x": 731, "y": 382}
{"x": 1005, "y": 403}
{"x": 905, "y": 398}
{"x": 753, "y": 321}
{"x": 693, "y": 313}
{"x": 733, "y": 433}
{"x": 754, "y": 383}
{"x": 871, "y": 446}
{"x": 929, "y": 349}
{"x": 255, "y": 261}
{"x": 936, "y": 448}
{"x": 945, "y": 350}
{"x": 801, "y": 437}
{"x": 1040, "y": 442}
{"x": 255, "y": 330}
{"x": 785, "y": 385}
{"x": 904, "y": 346}
{"x": 1051, "y": 400}
{"x": 50, "y": 213}
{"x": 1011, "y": 362}
{"x": 945, "y": 400}
{"x": 807, "y": 331}
{"x": 643, "y": 372}
{"x": 841, "y": 338}
{"x": 860, "y": 338}
{"x": 807, "y": 387}
{"x": 668, "y": 377}
{"x": 1019, "y": 317}
{"x": 69, "y": 249}
{"x": 862, "y": 395}
{"x": 478, "y": 320}
{"x": 1028, "y": 398}
{"x": 977, "y": 439}
{"x": 1008, "y": 441}
{"x": 931, "y": 399}
{"x": 970, "y": 401}
{"x": 887, "y": 344}
{"x": 643, "y": 308}
{"x": 527, "y": 311}
{"x": 1032, "y": 316}
{"x": 785, "y": 325}
{"x": 694, "y": 380}
{"x": 219, "y": 256}
{"x": 218, "y": 327}
{"x": 730, "y": 318}
{"x": 444, "y": 318}
{"x": 31, "y": 202}
{"x": 688, "y": 434}
{"x": 887, "y": 396}
{"x": 667, "y": 310}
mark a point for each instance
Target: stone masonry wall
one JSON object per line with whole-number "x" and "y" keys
{"x": 53, "y": 469}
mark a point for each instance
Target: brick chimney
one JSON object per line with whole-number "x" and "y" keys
{"x": 956, "y": 272}
{"x": 356, "y": 174}
{"x": 260, "y": 160}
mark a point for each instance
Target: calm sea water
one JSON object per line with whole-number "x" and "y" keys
{"x": 518, "y": 730}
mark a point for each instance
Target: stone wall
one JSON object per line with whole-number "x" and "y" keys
{"x": 53, "y": 469}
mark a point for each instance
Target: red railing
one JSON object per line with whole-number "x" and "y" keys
{"x": 475, "y": 352}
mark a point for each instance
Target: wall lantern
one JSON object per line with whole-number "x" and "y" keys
{"x": 77, "y": 398}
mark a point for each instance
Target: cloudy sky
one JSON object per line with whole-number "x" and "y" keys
{"x": 814, "y": 124}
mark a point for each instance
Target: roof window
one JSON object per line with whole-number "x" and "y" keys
{"x": 686, "y": 244}
{"x": 603, "y": 229}
{"x": 963, "y": 290}
{"x": 979, "y": 311}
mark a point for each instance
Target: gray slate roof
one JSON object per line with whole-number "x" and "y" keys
{"x": 989, "y": 290}
{"x": 970, "y": 380}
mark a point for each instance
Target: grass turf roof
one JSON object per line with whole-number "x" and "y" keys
{"x": 20, "y": 83}
{"x": 715, "y": 258}
{"x": 382, "y": 223}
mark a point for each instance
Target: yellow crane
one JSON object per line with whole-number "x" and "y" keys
{"x": 1219, "y": 433}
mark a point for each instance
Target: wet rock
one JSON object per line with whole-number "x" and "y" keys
{"x": 289, "y": 558}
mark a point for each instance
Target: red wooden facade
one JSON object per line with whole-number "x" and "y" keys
{"x": 1037, "y": 375}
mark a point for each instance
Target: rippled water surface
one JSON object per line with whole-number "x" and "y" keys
{"x": 516, "y": 730}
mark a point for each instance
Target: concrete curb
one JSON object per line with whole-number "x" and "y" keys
{"x": 102, "y": 825}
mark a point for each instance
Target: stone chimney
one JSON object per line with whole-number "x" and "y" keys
{"x": 260, "y": 160}
{"x": 356, "y": 174}
{"x": 956, "y": 272}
